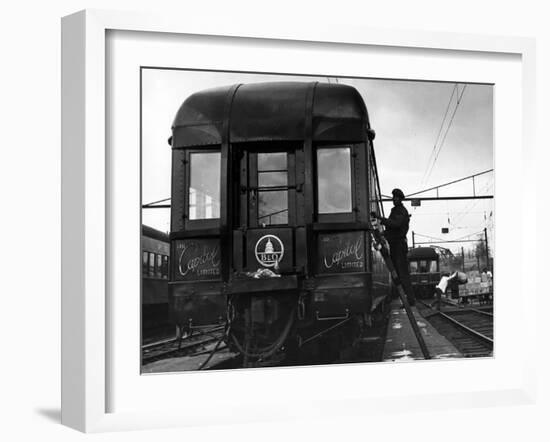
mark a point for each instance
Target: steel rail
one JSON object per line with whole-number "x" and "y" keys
{"x": 454, "y": 304}
{"x": 466, "y": 328}
{"x": 481, "y": 312}
{"x": 158, "y": 343}
{"x": 469, "y": 309}
{"x": 190, "y": 342}
{"x": 203, "y": 331}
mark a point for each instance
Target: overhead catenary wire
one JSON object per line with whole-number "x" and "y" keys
{"x": 469, "y": 235}
{"x": 467, "y": 211}
{"x": 433, "y": 238}
{"x": 458, "y": 180}
{"x": 451, "y": 212}
{"x": 432, "y": 153}
{"x": 468, "y": 208}
{"x": 459, "y": 100}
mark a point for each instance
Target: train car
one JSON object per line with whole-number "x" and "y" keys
{"x": 272, "y": 189}
{"x": 424, "y": 270}
{"x": 155, "y": 248}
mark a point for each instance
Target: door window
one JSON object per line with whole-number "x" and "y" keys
{"x": 272, "y": 188}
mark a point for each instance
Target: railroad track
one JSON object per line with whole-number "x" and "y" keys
{"x": 469, "y": 329}
{"x": 174, "y": 347}
{"x": 151, "y": 337}
{"x": 202, "y": 347}
{"x": 484, "y": 308}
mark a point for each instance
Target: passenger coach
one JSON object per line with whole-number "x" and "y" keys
{"x": 272, "y": 187}
{"x": 424, "y": 271}
{"x": 154, "y": 281}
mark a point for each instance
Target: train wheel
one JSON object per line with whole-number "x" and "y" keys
{"x": 261, "y": 325}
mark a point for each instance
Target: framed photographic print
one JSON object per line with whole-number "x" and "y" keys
{"x": 283, "y": 217}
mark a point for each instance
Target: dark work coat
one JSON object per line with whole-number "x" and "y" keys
{"x": 397, "y": 225}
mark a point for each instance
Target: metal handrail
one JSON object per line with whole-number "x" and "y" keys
{"x": 272, "y": 214}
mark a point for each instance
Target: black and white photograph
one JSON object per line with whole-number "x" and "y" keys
{"x": 291, "y": 220}
{"x": 242, "y": 221}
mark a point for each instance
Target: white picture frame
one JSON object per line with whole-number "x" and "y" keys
{"x": 87, "y": 213}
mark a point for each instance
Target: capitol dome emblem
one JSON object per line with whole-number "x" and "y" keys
{"x": 269, "y": 250}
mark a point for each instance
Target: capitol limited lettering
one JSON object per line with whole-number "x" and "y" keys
{"x": 269, "y": 250}
{"x": 199, "y": 261}
{"x": 341, "y": 257}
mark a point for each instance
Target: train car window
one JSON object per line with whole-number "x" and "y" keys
{"x": 413, "y": 265}
{"x": 151, "y": 264}
{"x": 272, "y": 161}
{"x": 433, "y": 266}
{"x": 424, "y": 266}
{"x": 145, "y": 264}
{"x": 334, "y": 180}
{"x": 272, "y": 207}
{"x": 204, "y": 187}
{"x": 272, "y": 188}
{"x": 164, "y": 266}
{"x": 158, "y": 267}
{"x": 272, "y": 179}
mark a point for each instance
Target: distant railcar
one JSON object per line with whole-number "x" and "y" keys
{"x": 272, "y": 187}
{"x": 155, "y": 248}
{"x": 424, "y": 271}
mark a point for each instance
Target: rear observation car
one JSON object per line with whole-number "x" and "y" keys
{"x": 272, "y": 187}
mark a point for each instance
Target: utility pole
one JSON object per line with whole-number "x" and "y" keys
{"x": 463, "y": 269}
{"x": 413, "y": 239}
{"x": 486, "y": 247}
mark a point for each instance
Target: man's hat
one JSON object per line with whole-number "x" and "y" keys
{"x": 398, "y": 193}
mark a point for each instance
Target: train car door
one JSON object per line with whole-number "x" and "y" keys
{"x": 266, "y": 216}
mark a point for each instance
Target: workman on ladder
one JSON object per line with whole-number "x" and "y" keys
{"x": 397, "y": 226}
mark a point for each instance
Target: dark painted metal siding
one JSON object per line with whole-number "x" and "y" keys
{"x": 271, "y": 112}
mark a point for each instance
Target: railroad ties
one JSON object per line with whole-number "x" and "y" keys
{"x": 469, "y": 329}
{"x": 203, "y": 350}
{"x": 451, "y": 332}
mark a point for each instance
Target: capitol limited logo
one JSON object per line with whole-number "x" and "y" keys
{"x": 269, "y": 251}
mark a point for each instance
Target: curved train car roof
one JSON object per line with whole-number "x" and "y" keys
{"x": 278, "y": 111}
{"x": 149, "y": 232}
{"x": 422, "y": 253}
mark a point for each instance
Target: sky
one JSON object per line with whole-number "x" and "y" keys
{"x": 413, "y": 120}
